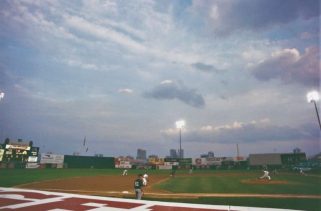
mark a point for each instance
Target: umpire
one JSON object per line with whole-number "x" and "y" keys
{"x": 138, "y": 184}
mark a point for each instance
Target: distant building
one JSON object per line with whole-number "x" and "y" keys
{"x": 180, "y": 153}
{"x": 141, "y": 154}
{"x": 297, "y": 150}
{"x": 210, "y": 154}
{"x": 173, "y": 153}
{"x": 128, "y": 157}
{"x": 99, "y": 155}
{"x": 153, "y": 156}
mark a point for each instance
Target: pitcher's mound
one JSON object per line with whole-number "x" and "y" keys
{"x": 263, "y": 181}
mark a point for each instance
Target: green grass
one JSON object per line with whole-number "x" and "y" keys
{"x": 227, "y": 181}
{"x": 232, "y": 183}
{"x": 13, "y": 177}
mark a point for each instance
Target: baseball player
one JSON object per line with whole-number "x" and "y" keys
{"x": 145, "y": 179}
{"x": 265, "y": 175}
{"x": 138, "y": 186}
{"x": 125, "y": 172}
{"x": 302, "y": 172}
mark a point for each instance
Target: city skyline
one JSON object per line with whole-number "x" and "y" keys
{"x": 122, "y": 73}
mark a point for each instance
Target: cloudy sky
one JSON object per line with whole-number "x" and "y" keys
{"x": 121, "y": 73}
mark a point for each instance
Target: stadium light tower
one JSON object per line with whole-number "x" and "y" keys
{"x": 313, "y": 97}
{"x": 1, "y": 95}
{"x": 180, "y": 124}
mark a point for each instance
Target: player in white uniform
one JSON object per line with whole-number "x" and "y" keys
{"x": 302, "y": 172}
{"x": 145, "y": 179}
{"x": 266, "y": 175}
{"x": 125, "y": 172}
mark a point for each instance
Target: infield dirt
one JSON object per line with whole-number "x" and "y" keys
{"x": 108, "y": 185}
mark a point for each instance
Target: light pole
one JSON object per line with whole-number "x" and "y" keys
{"x": 180, "y": 124}
{"x": 1, "y": 95}
{"x": 313, "y": 96}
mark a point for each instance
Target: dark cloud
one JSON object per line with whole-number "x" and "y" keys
{"x": 289, "y": 66}
{"x": 230, "y": 15}
{"x": 169, "y": 90}
{"x": 204, "y": 67}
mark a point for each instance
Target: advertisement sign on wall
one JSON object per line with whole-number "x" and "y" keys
{"x": 51, "y": 159}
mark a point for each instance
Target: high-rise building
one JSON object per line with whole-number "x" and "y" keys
{"x": 172, "y": 153}
{"x": 210, "y": 154}
{"x": 296, "y": 150}
{"x": 141, "y": 154}
{"x": 180, "y": 153}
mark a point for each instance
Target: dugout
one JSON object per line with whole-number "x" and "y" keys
{"x": 72, "y": 161}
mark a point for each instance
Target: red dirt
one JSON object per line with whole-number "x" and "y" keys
{"x": 95, "y": 185}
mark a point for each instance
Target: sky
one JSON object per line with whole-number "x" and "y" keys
{"x": 119, "y": 74}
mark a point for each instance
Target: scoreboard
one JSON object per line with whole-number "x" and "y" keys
{"x": 18, "y": 152}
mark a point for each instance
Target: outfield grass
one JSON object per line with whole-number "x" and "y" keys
{"x": 13, "y": 177}
{"x": 236, "y": 182}
{"x": 201, "y": 181}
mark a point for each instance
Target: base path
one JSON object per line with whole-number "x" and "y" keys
{"x": 30, "y": 200}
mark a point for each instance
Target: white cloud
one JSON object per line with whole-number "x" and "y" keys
{"x": 167, "y": 82}
{"x": 125, "y": 91}
{"x": 214, "y": 13}
{"x": 76, "y": 63}
{"x": 104, "y": 33}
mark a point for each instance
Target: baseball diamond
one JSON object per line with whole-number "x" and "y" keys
{"x": 227, "y": 188}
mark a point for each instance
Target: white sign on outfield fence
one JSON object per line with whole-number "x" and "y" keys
{"x": 165, "y": 167}
{"x": 51, "y": 159}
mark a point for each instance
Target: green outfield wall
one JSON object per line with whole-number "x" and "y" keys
{"x": 71, "y": 161}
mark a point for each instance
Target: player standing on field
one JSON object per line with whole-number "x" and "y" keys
{"x": 138, "y": 185}
{"x": 145, "y": 179}
{"x": 125, "y": 172}
{"x": 265, "y": 175}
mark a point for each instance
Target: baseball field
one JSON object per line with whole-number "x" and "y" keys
{"x": 288, "y": 190}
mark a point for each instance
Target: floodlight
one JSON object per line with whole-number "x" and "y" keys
{"x": 313, "y": 97}
{"x": 1, "y": 95}
{"x": 180, "y": 124}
